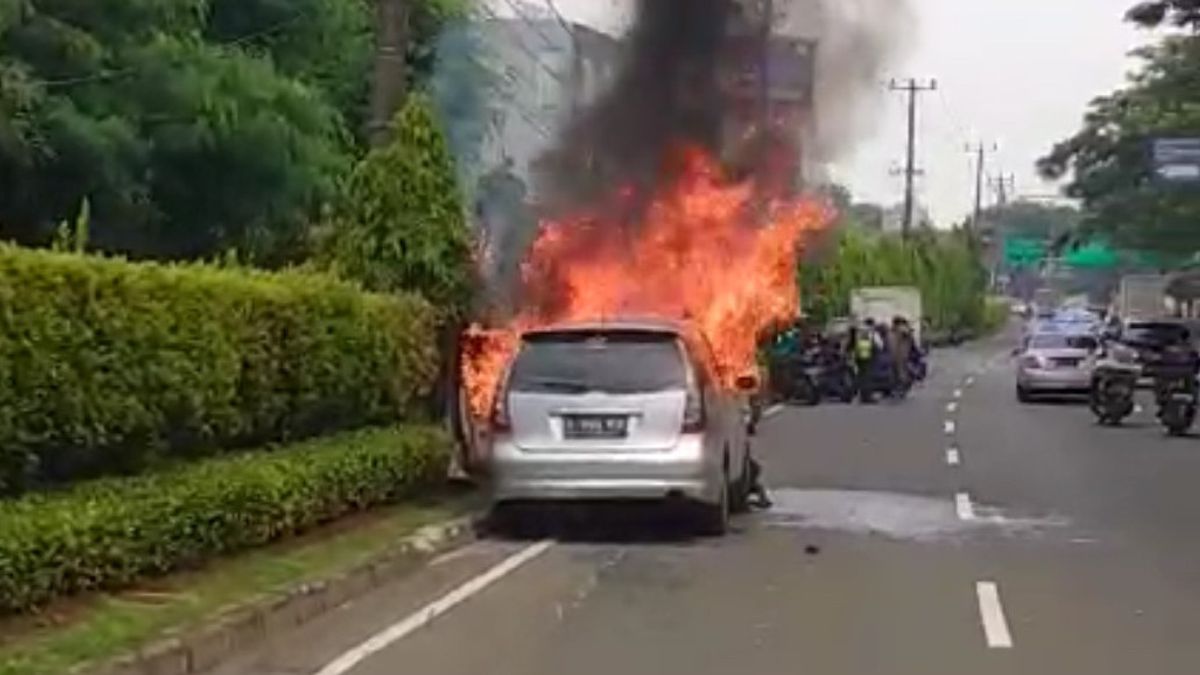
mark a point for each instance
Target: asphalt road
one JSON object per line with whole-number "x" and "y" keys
{"x": 958, "y": 532}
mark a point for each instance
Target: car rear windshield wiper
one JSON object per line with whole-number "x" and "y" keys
{"x": 556, "y": 384}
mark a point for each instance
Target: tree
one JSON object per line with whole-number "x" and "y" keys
{"x": 192, "y": 126}
{"x": 184, "y": 146}
{"x": 1109, "y": 159}
{"x": 1181, "y": 13}
{"x": 1031, "y": 220}
{"x": 399, "y": 223}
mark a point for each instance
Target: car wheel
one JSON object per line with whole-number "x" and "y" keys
{"x": 714, "y": 518}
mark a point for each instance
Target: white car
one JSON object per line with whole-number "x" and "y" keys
{"x": 1056, "y": 363}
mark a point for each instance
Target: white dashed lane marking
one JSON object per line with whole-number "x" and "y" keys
{"x": 991, "y": 613}
{"x": 950, "y": 427}
{"x": 953, "y": 457}
{"x": 963, "y": 506}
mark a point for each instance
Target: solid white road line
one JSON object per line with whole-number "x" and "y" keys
{"x": 964, "y": 507}
{"x": 950, "y": 427}
{"x": 991, "y": 612}
{"x": 953, "y": 457}
{"x": 772, "y": 411}
{"x": 424, "y": 616}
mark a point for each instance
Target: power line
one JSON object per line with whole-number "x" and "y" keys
{"x": 913, "y": 88}
{"x": 125, "y": 72}
{"x": 520, "y": 44}
{"x": 532, "y": 24}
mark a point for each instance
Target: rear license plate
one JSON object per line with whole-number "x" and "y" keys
{"x": 595, "y": 426}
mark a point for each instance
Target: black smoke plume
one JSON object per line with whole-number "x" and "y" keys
{"x": 667, "y": 92}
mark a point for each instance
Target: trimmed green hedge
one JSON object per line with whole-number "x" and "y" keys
{"x": 108, "y": 366}
{"x": 109, "y": 533}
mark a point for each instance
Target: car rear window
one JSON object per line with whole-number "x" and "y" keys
{"x": 613, "y": 363}
{"x": 1050, "y": 341}
{"x": 1156, "y": 333}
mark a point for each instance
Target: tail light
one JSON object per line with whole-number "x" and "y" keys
{"x": 1031, "y": 362}
{"x": 500, "y": 417}
{"x": 694, "y": 416}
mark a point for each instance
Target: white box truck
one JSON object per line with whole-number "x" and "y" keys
{"x": 1141, "y": 297}
{"x": 886, "y": 303}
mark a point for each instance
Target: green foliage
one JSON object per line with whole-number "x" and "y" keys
{"x": 944, "y": 266}
{"x": 400, "y": 223}
{"x": 1181, "y": 13}
{"x": 1031, "y": 220}
{"x": 1110, "y": 162}
{"x": 111, "y": 366}
{"x": 109, "y": 534}
{"x": 192, "y": 125}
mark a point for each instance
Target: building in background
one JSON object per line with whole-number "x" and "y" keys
{"x": 551, "y": 70}
{"x": 787, "y": 88}
{"x": 546, "y": 71}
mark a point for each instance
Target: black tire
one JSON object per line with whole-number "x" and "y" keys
{"x": 1178, "y": 422}
{"x": 714, "y": 518}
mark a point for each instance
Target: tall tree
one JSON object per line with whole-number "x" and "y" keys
{"x": 1181, "y": 13}
{"x": 1109, "y": 160}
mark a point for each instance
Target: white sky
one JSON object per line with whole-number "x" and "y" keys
{"x": 1014, "y": 72}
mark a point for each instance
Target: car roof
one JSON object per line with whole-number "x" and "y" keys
{"x": 623, "y": 325}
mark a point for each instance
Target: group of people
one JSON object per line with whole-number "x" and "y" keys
{"x": 883, "y": 357}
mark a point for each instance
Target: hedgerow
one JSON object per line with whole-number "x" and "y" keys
{"x": 109, "y": 533}
{"x": 112, "y": 367}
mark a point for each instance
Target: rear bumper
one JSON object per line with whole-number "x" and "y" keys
{"x": 1074, "y": 380}
{"x": 686, "y": 471}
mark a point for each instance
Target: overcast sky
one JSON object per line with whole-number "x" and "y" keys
{"x": 1014, "y": 72}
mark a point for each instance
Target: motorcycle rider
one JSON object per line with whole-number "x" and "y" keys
{"x": 903, "y": 350}
{"x": 867, "y": 348}
{"x": 1180, "y": 362}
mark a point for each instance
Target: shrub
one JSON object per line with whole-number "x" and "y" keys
{"x": 400, "y": 223}
{"x": 109, "y": 533}
{"x": 111, "y": 367}
{"x": 943, "y": 265}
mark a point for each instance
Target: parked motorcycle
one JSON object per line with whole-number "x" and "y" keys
{"x": 1112, "y": 392}
{"x": 817, "y": 376}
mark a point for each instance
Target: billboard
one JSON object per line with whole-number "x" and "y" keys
{"x": 1176, "y": 160}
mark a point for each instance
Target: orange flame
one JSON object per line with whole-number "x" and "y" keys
{"x": 706, "y": 250}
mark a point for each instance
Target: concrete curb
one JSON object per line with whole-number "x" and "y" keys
{"x": 203, "y": 647}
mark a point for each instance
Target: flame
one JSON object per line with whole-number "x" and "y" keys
{"x": 706, "y": 249}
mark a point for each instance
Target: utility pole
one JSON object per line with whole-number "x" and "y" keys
{"x": 390, "y": 71}
{"x": 1004, "y": 184}
{"x": 912, "y": 87}
{"x": 980, "y": 151}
